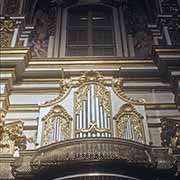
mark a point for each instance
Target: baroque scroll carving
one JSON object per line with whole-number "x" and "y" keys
{"x": 117, "y": 85}
{"x": 65, "y": 87}
{"x": 129, "y": 124}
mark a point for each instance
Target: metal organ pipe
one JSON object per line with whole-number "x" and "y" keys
{"x": 93, "y": 102}
{"x": 58, "y": 128}
{"x": 92, "y": 111}
{"x": 97, "y": 115}
{"x": 105, "y": 122}
{"x": 55, "y": 134}
{"x": 53, "y": 131}
{"x": 101, "y": 117}
{"x": 80, "y": 124}
{"x": 60, "y": 133}
{"x": 84, "y": 115}
{"x": 77, "y": 124}
{"x": 129, "y": 132}
{"x": 89, "y": 104}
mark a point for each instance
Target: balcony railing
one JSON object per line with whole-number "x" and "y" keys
{"x": 92, "y": 149}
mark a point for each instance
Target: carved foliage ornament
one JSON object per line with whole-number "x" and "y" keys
{"x": 11, "y": 136}
{"x": 7, "y": 26}
{"x": 170, "y": 134}
{"x": 93, "y": 129}
{"x": 91, "y": 76}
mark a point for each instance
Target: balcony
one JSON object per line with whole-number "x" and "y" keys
{"x": 84, "y": 155}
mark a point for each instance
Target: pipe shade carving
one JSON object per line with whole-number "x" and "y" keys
{"x": 129, "y": 124}
{"x": 57, "y": 125}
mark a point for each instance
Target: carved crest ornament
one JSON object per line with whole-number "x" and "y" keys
{"x": 91, "y": 76}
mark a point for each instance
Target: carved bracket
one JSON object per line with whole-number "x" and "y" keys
{"x": 11, "y": 137}
{"x": 170, "y": 134}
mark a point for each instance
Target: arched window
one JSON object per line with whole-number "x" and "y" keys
{"x": 90, "y": 31}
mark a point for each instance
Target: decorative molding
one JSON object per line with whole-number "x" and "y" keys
{"x": 93, "y": 129}
{"x": 21, "y": 166}
{"x": 117, "y": 86}
{"x": 5, "y": 167}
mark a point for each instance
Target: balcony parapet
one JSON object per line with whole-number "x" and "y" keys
{"x": 93, "y": 150}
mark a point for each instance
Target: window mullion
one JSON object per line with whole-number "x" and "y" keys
{"x": 90, "y": 34}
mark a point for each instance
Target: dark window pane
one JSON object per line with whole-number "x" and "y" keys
{"x": 77, "y": 51}
{"x": 90, "y": 31}
{"x": 103, "y": 51}
{"x": 78, "y": 19}
{"x": 102, "y": 37}
{"x": 101, "y": 19}
{"x": 77, "y": 37}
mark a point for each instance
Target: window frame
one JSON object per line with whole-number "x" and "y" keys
{"x": 117, "y": 44}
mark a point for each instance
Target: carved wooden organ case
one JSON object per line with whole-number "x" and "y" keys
{"x": 92, "y": 106}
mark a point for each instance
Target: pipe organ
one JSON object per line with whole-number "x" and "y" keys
{"x": 93, "y": 115}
